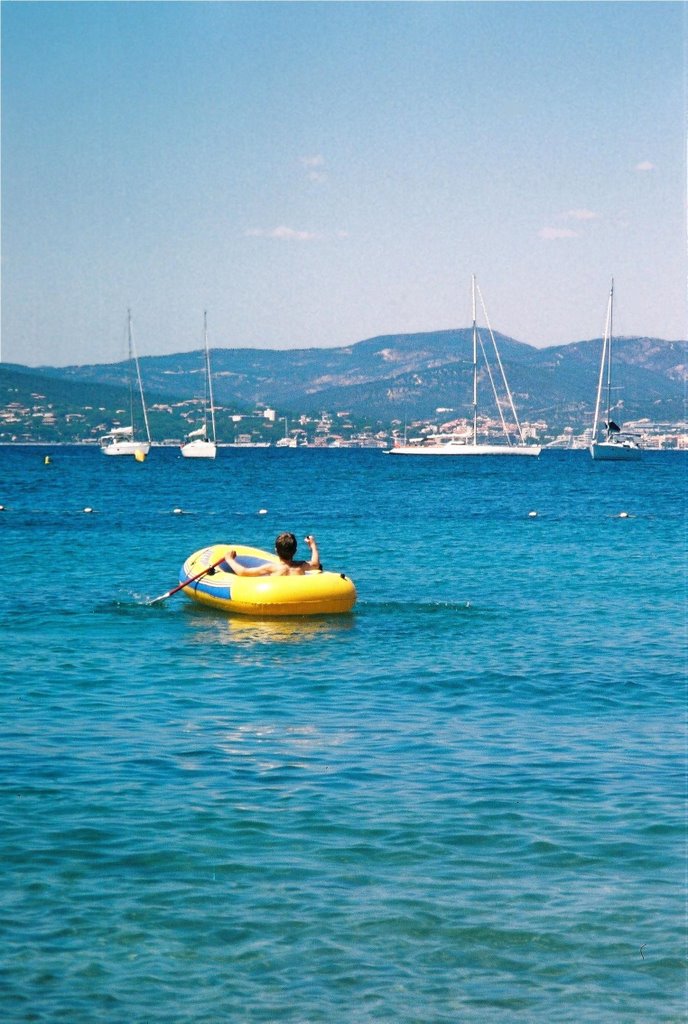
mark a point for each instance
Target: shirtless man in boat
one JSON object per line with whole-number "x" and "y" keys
{"x": 285, "y": 547}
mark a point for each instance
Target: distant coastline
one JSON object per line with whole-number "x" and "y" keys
{"x": 364, "y": 394}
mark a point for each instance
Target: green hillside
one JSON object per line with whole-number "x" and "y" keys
{"x": 375, "y": 382}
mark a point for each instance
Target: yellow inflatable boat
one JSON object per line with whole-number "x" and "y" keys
{"x": 212, "y": 582}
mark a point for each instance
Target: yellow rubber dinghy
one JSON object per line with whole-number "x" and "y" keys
{"x": 315, "y": 593}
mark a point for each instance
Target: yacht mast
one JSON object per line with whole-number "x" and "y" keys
{"x": 609, "y": 356}
{"x": 130, "y": 371}
{"x": 604, "y": 361}
{"x": 138, "y": 377}
{"x": 209, "y": 382}
{"x": 505, "y": 382}
{"x": 475, "y": 366}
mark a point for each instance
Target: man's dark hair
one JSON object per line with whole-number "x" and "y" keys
{"x": 285, "y": 546}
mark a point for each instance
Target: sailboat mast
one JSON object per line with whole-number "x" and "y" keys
{"x": 505, "y": 382}
{"x": 209, "y": 383}
{"x": 604, "y": 362}
{"x": 475, "y": 366}
{"x": 130, "y": 373}
{"x": 610, "y": 331}
{"x": 138, "y": 378}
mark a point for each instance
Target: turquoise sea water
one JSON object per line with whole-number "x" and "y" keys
{"x": 464, "y": 802}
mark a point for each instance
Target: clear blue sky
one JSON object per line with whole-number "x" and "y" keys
{"x": 314, "y": 174}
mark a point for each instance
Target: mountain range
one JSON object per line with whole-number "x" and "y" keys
{"x": 399, "y": 377}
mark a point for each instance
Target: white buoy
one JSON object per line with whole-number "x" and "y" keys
{"x": 88, "y": 509}
{"x": 532, "y": 514}
{"x": 177, "y": 511}
{"x": 2, "y": 508}
{"x": 262, "y": 512}
{"x": 623, "y": 515}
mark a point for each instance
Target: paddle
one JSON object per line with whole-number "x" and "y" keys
{"x": 191, "y": 579}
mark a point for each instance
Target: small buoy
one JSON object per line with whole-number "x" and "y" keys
{"x": 47, "y": 460}
{"x": 2, "y": 508}
{"x": 623, "y": 515}
{"x": 532, "y": 514}
{"x": 139, "y": 455}
{"x": 177, "y": 511}
{"x": 262, "y": 512}
{"x": 88, "y": 509}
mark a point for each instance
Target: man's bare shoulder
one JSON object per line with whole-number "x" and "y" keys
{"x": 297, "y": 568}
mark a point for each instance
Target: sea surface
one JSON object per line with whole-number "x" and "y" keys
{"x": 463, "y": 802}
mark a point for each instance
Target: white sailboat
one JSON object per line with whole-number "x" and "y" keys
{"x": 614, "y": 445}
{"x": 287, "y": 441}
{"x": 122, "y": 440}
{"x": 440, "y": 445}
{"x": 199, "y": 445}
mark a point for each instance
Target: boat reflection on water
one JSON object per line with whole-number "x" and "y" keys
{"x": 246, "y": 631}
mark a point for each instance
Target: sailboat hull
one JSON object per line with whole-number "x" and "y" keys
{"x": 451, "y": 448}
{"x": 121, "y": 440}
{"x": 437, "y": 445}
{"x": 126, "y": 448}
{"x": 615, "y": 451}
{"x": 615, "y": 446}
{"x": 199, "y": 449}
{"x": 199, "y": 445}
